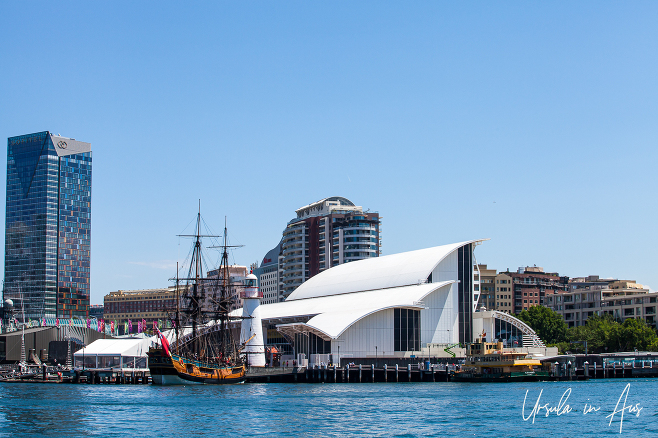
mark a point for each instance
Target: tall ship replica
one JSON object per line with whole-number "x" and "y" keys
{"x": 203, "y": 350}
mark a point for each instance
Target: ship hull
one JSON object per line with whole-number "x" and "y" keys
{"x": 178, "y": 370}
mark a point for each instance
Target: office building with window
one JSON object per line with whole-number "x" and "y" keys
{"x": 48, "y": 225}
{"x": 136, "y": 305}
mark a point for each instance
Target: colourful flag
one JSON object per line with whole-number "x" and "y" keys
{"x": 71, "y": 322}
{"x": 155, "y": 325}
{"x": 112, "y": 326}
{"x": 88, "y": 323}
{"x": 165, "y": 343}
{"x": 44, "y": 322}
{"x": 57, "y": 322}
{"x": 139, "y": 326}
{"x": 130, "y": 326}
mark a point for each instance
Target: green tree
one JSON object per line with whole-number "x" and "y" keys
{"x": 605, "y": 334}
{"x": 597, "y": 331}
{"x": 632, "y": 334}
{"x": 548, "y": 324}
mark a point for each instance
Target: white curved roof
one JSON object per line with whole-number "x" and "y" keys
{"x": 331, "y": 315}
{"x": 384, "y": 272}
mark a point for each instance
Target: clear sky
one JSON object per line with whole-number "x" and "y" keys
{"x": 534, "y": 124}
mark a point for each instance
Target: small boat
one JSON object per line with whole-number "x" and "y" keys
{"x": 203, "y": 351}
{"x": 491, "y": 362}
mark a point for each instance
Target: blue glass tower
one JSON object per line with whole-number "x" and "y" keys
{"x": 48, "y": 225}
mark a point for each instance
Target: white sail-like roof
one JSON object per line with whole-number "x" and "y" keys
{"x": 331, "y": 315}
{"x": 395, "y": 270}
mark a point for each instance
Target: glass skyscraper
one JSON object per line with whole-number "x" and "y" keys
{"x": 48, "y": 225}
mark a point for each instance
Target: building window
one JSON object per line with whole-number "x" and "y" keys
{"x": 406, "y": 330}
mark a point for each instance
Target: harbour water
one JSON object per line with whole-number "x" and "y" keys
{"x": 374, "y": 409}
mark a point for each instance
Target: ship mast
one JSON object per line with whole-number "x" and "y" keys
{"x": 177, "y": 319}
{"x": 223, "y": 300}
{"x": 226, "y": 347}
{"x": 194, "y": 308}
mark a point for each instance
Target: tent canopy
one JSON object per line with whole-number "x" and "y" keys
{"x": 117, "y": 347}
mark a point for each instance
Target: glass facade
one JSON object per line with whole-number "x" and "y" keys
{"x": 465, "y": 292}
{"x": 406, "y": 330}
{"x": 48, "y": 225}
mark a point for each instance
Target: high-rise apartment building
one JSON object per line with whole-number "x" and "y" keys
{"x": 48, "y": 225}
{"x": 324, "y": 234}
{"x": 268, "y": 276}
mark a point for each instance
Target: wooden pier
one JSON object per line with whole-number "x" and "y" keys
{"x": 350, "y": 374}
{"x": 584, "y": 368}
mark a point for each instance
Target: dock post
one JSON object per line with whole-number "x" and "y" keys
{"x": 385, "y": 373}
{"x": 372, "y": 366}
{"x": 432, "y": 371}
{"x": 409, "y": 372}
{"x": 360, "y": 372}
{"x": 397, "y": 379}
{"x": 614, "y": 370}
{"x": 324, "y": 375}
{"x": 347, "y": 371}
{"x": 335, "y": 366}
{"x": 586, "y": 369}
{"x": 595, "y": 369}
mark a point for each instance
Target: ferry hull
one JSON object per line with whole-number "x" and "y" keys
{"x": 535, "y": 376}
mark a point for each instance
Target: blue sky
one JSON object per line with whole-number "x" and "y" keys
{"x": 533, "y": 124}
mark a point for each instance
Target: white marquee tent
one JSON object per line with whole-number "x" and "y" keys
{"x": 123, "y": 354}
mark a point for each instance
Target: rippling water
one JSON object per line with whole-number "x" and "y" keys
{"x": 366, "y": 409}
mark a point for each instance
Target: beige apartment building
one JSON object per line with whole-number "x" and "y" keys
{"x": 622, "y": 299}
{"x": 487, "y": 286}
